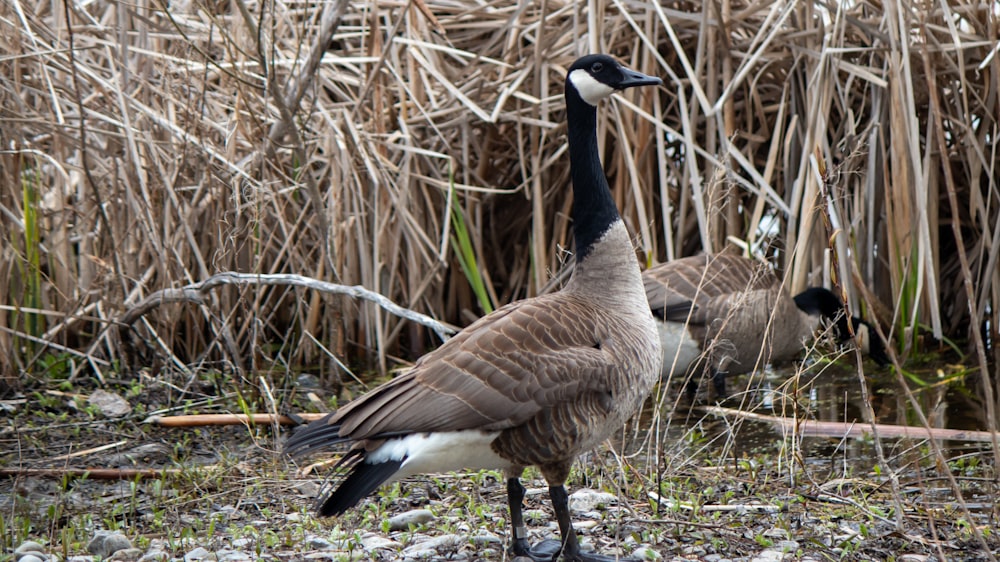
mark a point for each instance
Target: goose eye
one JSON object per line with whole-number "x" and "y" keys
{"x": 596, "y": 67}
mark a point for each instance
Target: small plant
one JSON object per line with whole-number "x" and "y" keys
{"x": 461, "y": 243}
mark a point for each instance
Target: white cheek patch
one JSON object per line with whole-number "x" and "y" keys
{"x": 863, "y": 338}
{"x": 590, "y": 89}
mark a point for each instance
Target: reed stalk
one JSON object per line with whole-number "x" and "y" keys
{"x": 329, "y": 143}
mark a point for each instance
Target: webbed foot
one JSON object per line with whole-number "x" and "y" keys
{"x": 545, "y": 551}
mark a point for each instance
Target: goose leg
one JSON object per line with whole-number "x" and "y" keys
{"x": 571, "y": 545}
{"x": 691, "y": 388}
{"x": 719, "y": 382}
{"x": 545, "y": 551}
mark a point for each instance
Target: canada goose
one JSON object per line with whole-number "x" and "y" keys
{"x": 722, "y": 306}
{"x": 537, "y": 382}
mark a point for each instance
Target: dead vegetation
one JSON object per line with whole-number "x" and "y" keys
{"x": 149, "y": 146}
{"x": 416, "y": 149}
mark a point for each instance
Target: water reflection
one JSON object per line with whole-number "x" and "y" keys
{"x": 823, "y": 391}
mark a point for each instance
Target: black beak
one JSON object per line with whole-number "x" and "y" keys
{"x": 877, "y": 352}
{"x": 633, "y": 79}
{"x": 876, "y": 349}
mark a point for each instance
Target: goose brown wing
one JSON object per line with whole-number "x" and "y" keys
{"x": 495, "y": 374}
{"x": 702, "y": 283}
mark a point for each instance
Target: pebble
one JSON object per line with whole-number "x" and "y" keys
{"x": 110, "y": 404}
{"x": 199, "y": 553}
{"x": 126, "y": 555}
{"x": 693, "y": 550}
{"x": 776, "y": 533}
{"x": 484, "y": 538}
{"x": 586, "y": 500}
{"x": 425, "y": 554}
{"x": 31, "y": 557}
{"x": 232, "y": 556}
{"x": 435, "y": 544}
{"x": 106, "y": 543}
{"x": 372, "y": 542}
{"x": 154, "y": 556}
{"x": 322, "y": 555}
{"x": 435, "y": 548}
{"x": 29, "y": 546}
{"x": 306, "y": 380}
{"x": 414, "y": 517}
{"x": 769, "y": 555}
{"x": 787, "y": 546}
{"x": 318, "y": 543}
{"x": 646, "y": 552}
{"x": 157, "y": 551}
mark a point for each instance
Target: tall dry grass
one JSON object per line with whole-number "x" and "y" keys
{"x": 148, "y": 145}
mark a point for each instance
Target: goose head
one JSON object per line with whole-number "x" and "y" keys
{"x": 820, "y": 301}
{"x": 595, "y": 77}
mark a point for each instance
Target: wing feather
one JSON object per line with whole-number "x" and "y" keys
{"x": 496, "y": 374}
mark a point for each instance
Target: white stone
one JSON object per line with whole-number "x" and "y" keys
{"x": 372, "y": 542}
{"x": 403, "y": 521}
{"x": 110, "y": 404}
{"x": 584, "y": 500}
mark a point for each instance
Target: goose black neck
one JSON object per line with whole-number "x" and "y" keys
{"x": 593, "y": 209}
{"x": 817, "y": 300}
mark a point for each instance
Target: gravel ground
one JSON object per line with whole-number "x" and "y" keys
{"x": 232, "y": 497}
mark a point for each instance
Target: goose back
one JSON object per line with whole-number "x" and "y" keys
{"x": 733, "y": 308}
{"x": 559, "y": 350}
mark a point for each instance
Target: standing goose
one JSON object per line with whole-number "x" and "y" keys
{"x": 728, "y": 309}
{"x": 535, "y": 383}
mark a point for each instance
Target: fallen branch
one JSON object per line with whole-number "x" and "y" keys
{"x": 670, "y": 503}
{"x": 87, "y": 451}
{"x": 91, "y": 473}
{"x": 195, "y": 293}
{"x": 196, "y": 420}
{"x": 813, "y": 428}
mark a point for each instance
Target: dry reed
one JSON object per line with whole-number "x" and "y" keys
{"x": 148, "y": 146}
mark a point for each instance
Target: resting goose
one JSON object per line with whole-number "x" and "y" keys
{"x": 721, "y": 307}
{"x": 535, "y": 383}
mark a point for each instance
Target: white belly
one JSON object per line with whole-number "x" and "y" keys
{"x": 680, "y": 350}
{"x": 430, "y": 453}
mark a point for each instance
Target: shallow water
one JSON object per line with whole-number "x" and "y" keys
{"x": 821, "y": 391}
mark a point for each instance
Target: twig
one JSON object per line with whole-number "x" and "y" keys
{"x": 195, "y": 293}
{"x": 86, "y": 452}
{"x": 842, "y": 429}
{"x": 195, "y": 420}
{"x": 92, "y": 473}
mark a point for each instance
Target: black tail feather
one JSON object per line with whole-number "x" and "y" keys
{"x": 678, "y": 312}
{"x": 363, "y": 479}
{"x": 352, "y": 478}
{"x": 317, "y": 436}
